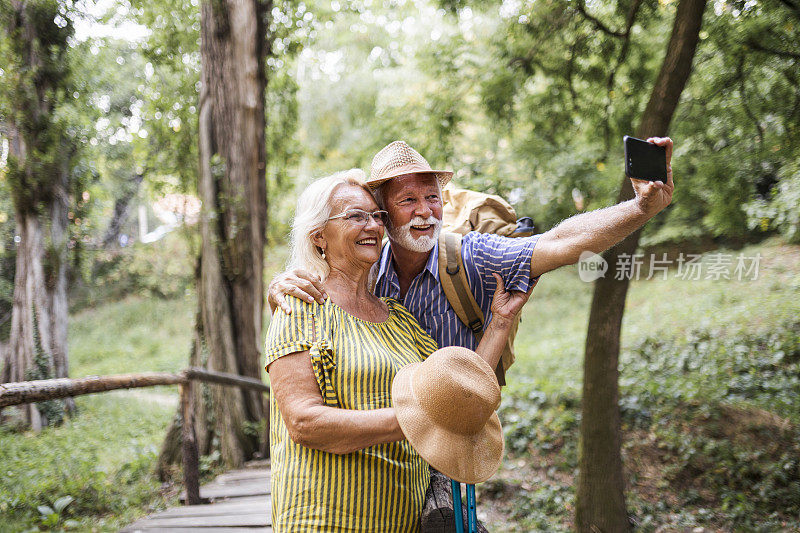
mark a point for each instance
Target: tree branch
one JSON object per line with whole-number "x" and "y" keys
{"x": 755, "y": 45}
{"x": 794, "y": 7}
{"x": 597, "y": 23}
{"x": 747, "y": 111}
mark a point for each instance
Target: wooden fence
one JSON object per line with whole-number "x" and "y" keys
{"x": 52, "y": 389}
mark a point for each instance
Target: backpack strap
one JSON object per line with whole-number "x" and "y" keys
{"x": 453, "y": 278}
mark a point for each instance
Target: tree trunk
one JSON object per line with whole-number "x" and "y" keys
{"x": 232, "y": 187}
{"x": 40, "y": 155}
{"x": 122, "y": 209}
{"x": 600, "y": 498}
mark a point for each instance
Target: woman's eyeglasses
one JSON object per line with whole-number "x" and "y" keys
{"x": 361, "y": 217}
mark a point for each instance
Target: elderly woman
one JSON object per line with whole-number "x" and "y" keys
{"x": 340, "y": 461}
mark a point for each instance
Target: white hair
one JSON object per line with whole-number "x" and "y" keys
{"x": 311, "y": 215}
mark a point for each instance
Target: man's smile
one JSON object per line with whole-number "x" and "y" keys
{"x": 424, "y": 227}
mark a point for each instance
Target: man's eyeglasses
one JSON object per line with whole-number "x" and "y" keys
{"x": 361, "y": 217}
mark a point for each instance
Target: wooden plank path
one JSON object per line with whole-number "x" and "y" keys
{"x": 238, "y": 501}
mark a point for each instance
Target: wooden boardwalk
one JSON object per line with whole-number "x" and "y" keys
{"x": 239, "y": 500}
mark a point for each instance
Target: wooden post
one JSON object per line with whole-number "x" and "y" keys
{"x": 191, "y": 467}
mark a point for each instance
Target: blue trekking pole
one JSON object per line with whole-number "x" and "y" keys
{"x": 472, "y": 516}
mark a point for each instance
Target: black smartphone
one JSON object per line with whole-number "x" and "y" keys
{"x": 644, "y": 160}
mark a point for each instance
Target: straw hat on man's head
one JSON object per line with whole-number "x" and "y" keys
{"x": 446, "y": 409}
{"x": 399, "y": 159}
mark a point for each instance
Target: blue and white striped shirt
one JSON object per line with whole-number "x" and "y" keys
{"x": 483, "y": 253}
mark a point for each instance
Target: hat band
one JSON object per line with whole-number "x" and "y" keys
{"x": 410, "y": 168}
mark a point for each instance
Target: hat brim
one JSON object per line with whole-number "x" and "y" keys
{"x": 442, "y": 176}
{"x": 464, "y": 458}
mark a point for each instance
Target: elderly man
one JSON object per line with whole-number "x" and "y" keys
{"x": 411, "y": 191}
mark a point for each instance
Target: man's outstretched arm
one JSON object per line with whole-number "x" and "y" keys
{"x": 599, "y": 230}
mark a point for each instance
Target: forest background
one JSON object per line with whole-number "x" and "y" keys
{"x": 526, "y": 99}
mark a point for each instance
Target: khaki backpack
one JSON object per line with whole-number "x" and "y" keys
{"x": 466, "y": 211}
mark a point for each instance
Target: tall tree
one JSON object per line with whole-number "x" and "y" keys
{"x": 36, "y": 79}
{"x": 232, "y": 187}
{"x": 600, "y": 496}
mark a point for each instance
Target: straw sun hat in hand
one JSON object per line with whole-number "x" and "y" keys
{"x": 446, "y": 408}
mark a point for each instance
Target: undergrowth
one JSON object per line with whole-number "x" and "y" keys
{"x": 102, "y": 459}
{"x": 711, "y": 437}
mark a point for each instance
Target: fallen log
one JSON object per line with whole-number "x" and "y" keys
{"x": 437, "y": 513}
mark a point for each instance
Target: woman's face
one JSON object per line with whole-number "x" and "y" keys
{"x": 350, "y": 245}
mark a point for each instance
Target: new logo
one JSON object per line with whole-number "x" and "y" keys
{"x": 591, "y": 266}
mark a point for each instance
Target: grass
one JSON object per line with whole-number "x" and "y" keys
{"x": 132, "y": 335}
{"x": 710, "y": 398}
{"x": 719, "y": 416}
{"x": 104, "y": 456}
{"x": 551, "y": 339}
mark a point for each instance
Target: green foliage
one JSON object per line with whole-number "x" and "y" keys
{"x": 725, "y": 408}
{"x": 719, "y": 411}
{"x": 51, "y": 516}
{"x": 162, "y": 269}
{"x": 780, "y": 211}
{"x": 108, "y": 483}
{"x": 761, "y": 369}
{"x": 549, "y": 422}
{"x": 168, "y": 87}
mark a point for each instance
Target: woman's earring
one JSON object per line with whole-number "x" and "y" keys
{"x": 323, "y": 254}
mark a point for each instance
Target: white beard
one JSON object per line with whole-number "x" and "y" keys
{"x": 403, "y": 237}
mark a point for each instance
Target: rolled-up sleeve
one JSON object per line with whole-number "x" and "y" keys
{"x": 290, "y": 333}
{"x": 486, "y": 253}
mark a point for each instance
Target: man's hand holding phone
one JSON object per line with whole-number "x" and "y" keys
{"x": 652, "y": 195}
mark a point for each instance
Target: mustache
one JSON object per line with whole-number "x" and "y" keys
{"x": 419, "y": 221}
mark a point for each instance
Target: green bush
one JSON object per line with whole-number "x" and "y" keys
{"x": 715, "y": 412}
{"x": 781, "y": 211}
{"x": 162, "y": 269}
{"x": 102, "y": 459}
{"x": 724, "y": 408}
{"x": 761, "y": 369}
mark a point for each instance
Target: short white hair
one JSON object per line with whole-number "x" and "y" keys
{"x": 311, "y": 215}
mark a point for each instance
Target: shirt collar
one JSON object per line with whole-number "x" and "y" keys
{"x": 386, "y": 268}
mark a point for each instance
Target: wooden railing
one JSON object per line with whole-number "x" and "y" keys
{"x": 52, "y": 389}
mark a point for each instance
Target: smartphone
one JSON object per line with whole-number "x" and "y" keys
{"x": 644, "y": 160}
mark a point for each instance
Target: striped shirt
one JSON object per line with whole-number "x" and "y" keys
{"x": 380, "y": 488}
{"x": 483, "y": 253}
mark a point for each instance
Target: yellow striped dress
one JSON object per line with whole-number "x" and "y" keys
{"x": 380, "y": 488}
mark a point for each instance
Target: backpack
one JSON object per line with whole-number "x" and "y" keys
{"x": 466, "y": 211}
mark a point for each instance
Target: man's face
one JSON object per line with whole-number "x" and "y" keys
{"x": 414, "y": 203}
